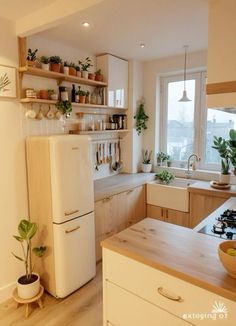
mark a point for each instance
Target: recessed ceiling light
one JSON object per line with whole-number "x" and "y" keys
{"x": 142, "y": 45}
{"x": 86, "y": 24}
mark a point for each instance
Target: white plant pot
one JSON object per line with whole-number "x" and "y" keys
{"x": 28, "y": 291}
{"x": 78, "y": 73}
{"x": 85, "y": 74}
{"x": 66, "y": 70}
{"x": 45, "y": 66}
{"x": 224, "y": 178}
{"x": 146, "y": 167}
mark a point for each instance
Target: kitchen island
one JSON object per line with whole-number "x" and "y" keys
{"x": 156, "y": 273}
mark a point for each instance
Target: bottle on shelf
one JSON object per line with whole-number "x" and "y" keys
{"x": 73, "y": 93}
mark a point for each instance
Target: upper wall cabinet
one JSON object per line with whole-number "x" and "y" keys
{"x": 221, "y": 83}
{"x": 115, "y": 71}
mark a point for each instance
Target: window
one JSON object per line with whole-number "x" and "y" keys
{"x": 189, "y": 127}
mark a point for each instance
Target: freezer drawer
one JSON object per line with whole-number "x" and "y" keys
{"x": 71, "y": 177}
{"x": 74, "y": 254}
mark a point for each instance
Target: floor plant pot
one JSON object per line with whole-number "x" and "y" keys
{"x": 45, "y": 66}
{"x": 146, "y": 168}
{"x": 85, "y": 74}
{"x": 56, "y": 67}
{"x": 224, "y": 178}
{"x": 28, "y": 290}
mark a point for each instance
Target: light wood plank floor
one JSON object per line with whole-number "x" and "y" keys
{"x": 82, "y": 308}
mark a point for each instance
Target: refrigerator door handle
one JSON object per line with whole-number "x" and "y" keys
{"x": 72, "y": 230}
{"x": 70, "y": 213}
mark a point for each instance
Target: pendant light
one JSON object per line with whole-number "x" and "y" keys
{"x": 185, "y": 98}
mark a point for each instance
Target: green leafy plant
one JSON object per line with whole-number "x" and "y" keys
{"x": 4, "y": 82}
{"x": 64, "y": 107}
{"x": 223, "y": 148}
{"x": 80, "y": 92}
{"x": 27, "y": 231}
{"x": 77, "y": 67}
{"x": 55, "y": 59}
{"x": 165, "y": 176}
{"x": 86, "y": 64}
{"x": 141, "y": 119}
{"x": 146, "y": 156}
{"x": 31, "y": 55}
{"x": 66, "y": 64}
{"x": 72, "y": 65}
{"x": 44, "y": 59}
{"x": 162, "y": 157}
{"x": 232, "y": 134}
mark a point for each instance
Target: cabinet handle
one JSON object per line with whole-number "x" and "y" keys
{"x": 72, "y": 230}
{"x": 173, "y": 297}
{"x": 70, "y": 213}
{"x": 129, "y": 191}
{"x": 107, "y": 199}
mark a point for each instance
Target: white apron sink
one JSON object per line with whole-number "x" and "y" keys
{"x": 175, "y": 195}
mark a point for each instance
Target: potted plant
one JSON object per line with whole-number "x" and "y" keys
{"x": 91, "y": 76}
{"x": 55, "y": 63}
{"x": 72, "y": 70}
{"x": 45, "y": 62}
{"x": 66, "y": 68}
{"x": 43, "y": 94}
{"x": 85, "y": 66}
{"x": 52, "y": 94}
{"x": 141, "y": 119}
{"x": 65, "y": 108}
{"x": 98, "y": 75}
{"x": 82, "y": 96}
{"x": 78, "y": 72}
{"x": 87, "y": 98}
{"x": 169, "y": 161}
{"x": 165, "y": 176}
{"x": 28, "y": 285}
{"x": 222, "y": 146}
{"x": 146, "y": 163}
{"x": 31, "y": 57}
{"x": 161, "y": 158}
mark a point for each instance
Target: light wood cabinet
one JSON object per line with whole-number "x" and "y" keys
{"x": 201, "y": 205}
{"x": 168, "y": 215}
{"x": 115, "y": 213}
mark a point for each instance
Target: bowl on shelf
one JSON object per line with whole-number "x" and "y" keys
{"x": 228, "y": 260}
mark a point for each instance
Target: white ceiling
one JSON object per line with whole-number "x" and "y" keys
{"x": 119, "y": 26}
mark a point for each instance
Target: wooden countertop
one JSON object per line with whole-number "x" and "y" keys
{"x": 204, "y": 187}
{"x": 118, "y": 183}
{"x": 178, "y": 251}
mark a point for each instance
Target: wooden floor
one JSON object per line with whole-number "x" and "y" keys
{"x": 82, "y": 308}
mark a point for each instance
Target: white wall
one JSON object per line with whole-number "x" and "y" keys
{"x": 13, "y": 193}
{"x": 152, "y": 71}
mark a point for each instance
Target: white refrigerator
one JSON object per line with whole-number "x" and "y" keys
{"x": 61, "y": 202}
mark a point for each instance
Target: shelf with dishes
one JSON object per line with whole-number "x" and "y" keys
{"x": 42, "y": 101}
{"x": 94, "y": 132}
{"x": 60, "y": 77}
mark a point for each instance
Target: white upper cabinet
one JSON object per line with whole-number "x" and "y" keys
{"x": 115, "y": 72}
{"x": 221, "y": 88}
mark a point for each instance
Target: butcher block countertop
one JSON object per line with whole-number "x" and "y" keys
{"x": 203, "y": 187}
{"x": 178, "y": 251}
{"x": 118, "y": 183}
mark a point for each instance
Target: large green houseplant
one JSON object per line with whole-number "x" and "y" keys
{"x": 28, "y": 285}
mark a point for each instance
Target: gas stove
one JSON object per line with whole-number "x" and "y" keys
{"x": 223, "y": 227}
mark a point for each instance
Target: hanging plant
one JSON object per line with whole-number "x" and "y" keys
{"x": 64, "y": 107}
{"x": 141, "y": 119}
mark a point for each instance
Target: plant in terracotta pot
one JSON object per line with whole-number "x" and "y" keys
{"x": 146, "y": 163}
{"x": 91, "y": 76}
{"x": 55, "y": 63}
{"x": 87, "y": 97}
{"x": 72, "y": 69}
{"x": 31, "y": 57}
{"x": 28, "y": 285}
{"x": 85, "y": 65}
{"x": 165, "y": 176}
{"x": 222, "y": 146}
{"x": 66, "y": 68}
{"x": 45, "y": 62}
{"x": 98, "y": 75}
{"x": 43, "y": 94}
{"x": 82, "y": 96}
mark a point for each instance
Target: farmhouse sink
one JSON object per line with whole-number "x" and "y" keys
{"x": 175, "y": 195}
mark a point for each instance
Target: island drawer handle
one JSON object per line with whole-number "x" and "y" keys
{"x": 70, "y": 213}
{"x": 72, "y": 230}
{"x": 173, "y": 297}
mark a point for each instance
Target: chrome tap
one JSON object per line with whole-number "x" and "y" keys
{"x": 188, "y": 173}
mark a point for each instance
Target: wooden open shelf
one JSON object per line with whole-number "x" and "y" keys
{"x": 60, "y": 77}
{"x": 221, "y": 88}
{"x": 81, "y": 105}
{"x": 99, "y": 132}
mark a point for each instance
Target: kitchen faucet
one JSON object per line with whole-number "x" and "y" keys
{"x": 188, "y": 173}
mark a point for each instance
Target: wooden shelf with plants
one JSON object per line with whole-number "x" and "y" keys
{"x": 60, "y": 77}
{"x": 80, "y": 105}
{"x": 94, "y": 132}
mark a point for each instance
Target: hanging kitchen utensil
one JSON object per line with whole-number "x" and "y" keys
{"x": 104, "y": 153}
{"x": 50, "y": 115}
{"x": 114, "y": 165}
{"x": 120, "y": 162}
{"x": 96, "y": 157}
{"x": 40, "y": 115}
{"x": 31, "y": 114}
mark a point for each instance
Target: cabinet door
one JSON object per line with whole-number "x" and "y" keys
{"x": 135, "y": 205}
{"x": 201, "y": 206}
{"x": 126, "y": 309}
{"x": 177, "y": 217}
{"x": 105, "y": 220}
{"x": 156, "y": 212}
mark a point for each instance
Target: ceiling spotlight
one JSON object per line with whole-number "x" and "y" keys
{"x": 142, "y": 45}
{"x": 86, "y": 24}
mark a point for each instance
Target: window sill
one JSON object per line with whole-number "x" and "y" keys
{"x": 205, "y": 175}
